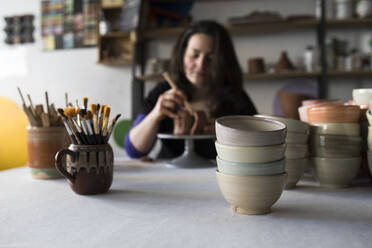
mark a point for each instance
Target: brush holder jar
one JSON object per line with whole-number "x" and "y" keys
{"x": 42, "y": 145}
{"x": 88, "y": 168}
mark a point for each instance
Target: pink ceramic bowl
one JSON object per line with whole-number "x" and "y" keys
{"x": 312, "y": 102}
{"x": 302, "y": 111}
{"x": 334, "y": 114}
{"x": 244, "y": 130}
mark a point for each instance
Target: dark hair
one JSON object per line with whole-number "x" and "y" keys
{"x": 226, "y": 75}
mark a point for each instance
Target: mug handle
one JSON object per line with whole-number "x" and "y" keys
{"x": 61, "y": 168}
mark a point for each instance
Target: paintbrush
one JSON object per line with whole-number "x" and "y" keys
{"x": 88, "y": 120}
{"x": 174, "y": 86}
{"x": 68, "y": 127}
{"x": 31, "y": 105}
{"x": 70, "y": 113}
{"x": 93, "y": 108}
{"x": 105, "y": 121}
{"x": 27, "y": 111}
{"x": 100, "y": 118}
{"x": 84, "y": 126}
{"x": 111, "y": 127}
{"x": 66, "y": 99}
{"x": 85, "y": 103}
{"x": 47, "y": 103}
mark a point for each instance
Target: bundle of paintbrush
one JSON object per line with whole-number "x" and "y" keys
{"x": 88, "y": 127}
{"x": 36, "y": 115}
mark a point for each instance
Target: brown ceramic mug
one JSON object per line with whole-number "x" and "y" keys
{"x": 89, "y": 168}
{"x": 42, "y": 144}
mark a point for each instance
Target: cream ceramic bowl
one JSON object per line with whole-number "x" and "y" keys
{"x": 351, "y": 129}
{"x": 362, "y": 96}
{"x": 296, "y": 151}
{"x": 292, "y": 125}
{"x": 250, "y": 154}
{"x": 296, "y": 138}
{"x": 295, "y": 169}
{"x": 250, "y": 169}
{"x": 335, "y": 172}
{"x": 244, "y": 130}
{"x": 251, "y": 194}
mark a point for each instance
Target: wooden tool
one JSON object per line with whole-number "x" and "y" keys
{"x": 174, "y": 86}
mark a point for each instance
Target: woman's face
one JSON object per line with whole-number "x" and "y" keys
{"x": 197, "y": 59}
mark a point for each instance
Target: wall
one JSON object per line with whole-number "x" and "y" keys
{"x": 76, "y": 71}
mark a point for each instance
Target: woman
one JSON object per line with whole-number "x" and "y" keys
{"x": 207, "y": 73}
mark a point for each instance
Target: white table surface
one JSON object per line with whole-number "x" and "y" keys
{"x": 150, "y": 205}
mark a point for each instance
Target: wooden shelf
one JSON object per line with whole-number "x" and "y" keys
{"x": 115, "y": 35}
{"x": 253, "y": 28}
{"x": 349, "y": 23}
{"x": 273, "y": 76}
{"x": 152, "y": 78}
{"x": 115, "y": 62}
{"x": 112, "y": 7}
{"x": 284, "y": 75}
{"x": 364, "y": 73}
{"x": 272, "y": 27}
{"x": 268, "y": 27}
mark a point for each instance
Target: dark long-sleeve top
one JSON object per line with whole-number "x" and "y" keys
{"x": 173, "y": 148}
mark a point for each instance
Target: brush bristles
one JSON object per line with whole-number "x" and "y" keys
{"x": 70, "y": 112}
{"x": 107, "y": 111}
{"x": 103, "y": 109}
{"x": 93, "y": 108}
{"x": 91, "y": 126}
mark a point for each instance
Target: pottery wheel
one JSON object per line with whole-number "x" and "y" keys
{"x": 189, "y": 158}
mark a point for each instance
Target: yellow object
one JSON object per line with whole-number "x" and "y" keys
{"x": 13, "y": 136}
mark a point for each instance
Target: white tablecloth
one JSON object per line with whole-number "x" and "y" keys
{"x": 150, "y": 205}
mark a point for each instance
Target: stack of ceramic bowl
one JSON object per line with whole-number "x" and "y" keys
{"x": 335, "y": 144}
{"x": 297, "y": 152}
{"x": 251, "y": 163}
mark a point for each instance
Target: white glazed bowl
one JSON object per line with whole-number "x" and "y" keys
{"x": 362, "y": 96}
{"x": 244, "y": 130}
{"x": 292, "y": 125}
{"x": 250, "y": 169}
{"x": 251, "y": 194}
{"x": 250, "y": 154}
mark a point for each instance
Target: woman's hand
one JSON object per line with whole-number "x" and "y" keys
{"x": 167, "y": 104}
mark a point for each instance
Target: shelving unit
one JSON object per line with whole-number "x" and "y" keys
{"x": 114, "y": 48}
{"x": 320, "y": 26}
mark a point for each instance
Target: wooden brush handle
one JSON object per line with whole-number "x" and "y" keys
{"x": 173, "y": 86}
